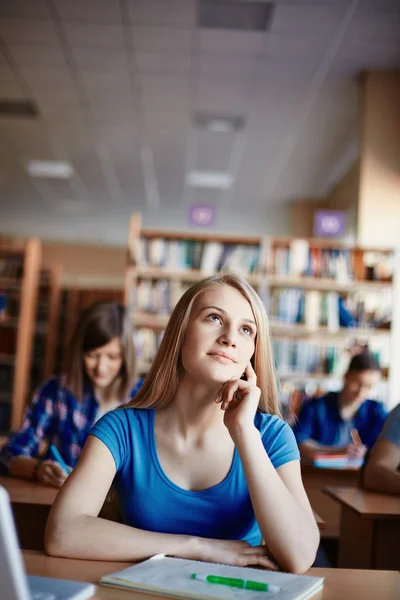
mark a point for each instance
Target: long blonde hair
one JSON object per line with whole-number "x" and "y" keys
{"x": 161, "y": 383}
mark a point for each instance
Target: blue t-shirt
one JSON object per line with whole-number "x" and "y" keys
{"x": 320, "y": 420}
{"x": 149, "y": 500}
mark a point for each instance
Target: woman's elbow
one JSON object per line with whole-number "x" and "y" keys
{"x": 56, "y": 538}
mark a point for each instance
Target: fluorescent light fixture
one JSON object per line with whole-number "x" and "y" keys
{"x": 218, "y": 123}
{"x": 50, "y": 168}
{"x": 210, "y": 179}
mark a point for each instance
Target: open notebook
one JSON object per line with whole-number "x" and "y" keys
{"x": 172, "y": 577}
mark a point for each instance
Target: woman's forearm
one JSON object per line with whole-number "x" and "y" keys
{"x": 23, "y": 467}
{"x": 94, "y": 538}
{"x": 288, "y": 529}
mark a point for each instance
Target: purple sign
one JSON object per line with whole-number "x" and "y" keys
{"x": 201, "y": 214}
{"x": 329, "y": 223}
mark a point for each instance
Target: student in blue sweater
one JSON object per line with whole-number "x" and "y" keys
{"x": 325, "y": 424}
{"x": 202, "y": 464}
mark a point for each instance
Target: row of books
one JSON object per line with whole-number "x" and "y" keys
{"x": 308, "y": 358}
{"x": 208, "y": 257}
{"x": 299, "y": 259}
{"x": 146, "y": 343}
{"x": 329, "y": 309}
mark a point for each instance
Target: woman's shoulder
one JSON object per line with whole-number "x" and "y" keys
{"x": 125, "y": 417}
{"x": 271, "y": 426}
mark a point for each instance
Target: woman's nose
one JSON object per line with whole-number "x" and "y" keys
{"x": 228, "y": 338}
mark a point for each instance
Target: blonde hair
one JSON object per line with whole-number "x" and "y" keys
{"x": 97, "y": 326}
{"x": 161, "y": 383}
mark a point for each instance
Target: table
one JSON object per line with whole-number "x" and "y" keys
{"x": 31, "y": 503}
{"x": 370, "y": 529}
{"x": 314, "y": 480}
{"x": 339, "y": 583}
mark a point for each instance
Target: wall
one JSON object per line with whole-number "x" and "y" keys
{"x": 379, "y": 193}
{"x": 87, "y": 265}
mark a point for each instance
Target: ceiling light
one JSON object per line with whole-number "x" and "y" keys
{"x": 218, "y": 123}
{"x": 210, "y": 179}
{"x": 50, "y": 168}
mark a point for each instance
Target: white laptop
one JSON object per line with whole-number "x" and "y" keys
{"x": 15, "y": 584}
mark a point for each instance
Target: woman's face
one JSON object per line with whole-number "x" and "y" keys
{"x": 220, "y": 338}
{"x": 103, "y": 364}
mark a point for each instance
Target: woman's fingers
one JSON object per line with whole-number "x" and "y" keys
{"x": 251, "y": 374}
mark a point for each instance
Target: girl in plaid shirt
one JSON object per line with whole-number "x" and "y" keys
{"x": 99, "y": 376}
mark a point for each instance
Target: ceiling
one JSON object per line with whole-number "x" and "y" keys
{"x": 117, "y": 85}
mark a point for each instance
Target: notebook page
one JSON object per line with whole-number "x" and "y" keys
{"x": 171, "y": 576}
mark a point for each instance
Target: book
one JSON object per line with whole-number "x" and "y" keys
{"x": 335, "y": 461}
{"x": 172, "y": 577}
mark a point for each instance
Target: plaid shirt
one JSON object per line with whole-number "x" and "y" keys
{"x": 57, "y": 417}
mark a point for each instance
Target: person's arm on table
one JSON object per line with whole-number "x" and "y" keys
{"x": 74, "y": 529}
{"x": 18, "y": 457}
{"x": 280, "y": 503}
{"x": 381, "y": 474}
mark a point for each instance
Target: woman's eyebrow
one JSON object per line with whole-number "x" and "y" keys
{"x": 225, "y": 313}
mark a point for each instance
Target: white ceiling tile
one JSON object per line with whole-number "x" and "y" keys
{"x": 306, "y": 20}
{"x": 38, "y": 56}
{"x": 233, "y": 43}
{"x": 161, "y": 39}
{"x": 30, "y": 32}
{"x": 91, "y": 35}
{"x": 209, "y": 65}
{"x": 163, "y": 12}
{"x": 93, "y": 60}
{"x": 159, "y": 90}
{"x": 25, "y": 8}
{"x": 176, "y": 63}
{"x": 94, "y": 11}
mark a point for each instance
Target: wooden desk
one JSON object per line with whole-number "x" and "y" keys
{"x": 31, "y": 503}
{"x": 346, "y": 585}
{"x": 315, "y": 480}
{"x": 370, "y": 529}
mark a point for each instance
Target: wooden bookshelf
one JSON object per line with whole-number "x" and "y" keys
{"x": 19, "y": 285}
{"x": 319, "y": 272}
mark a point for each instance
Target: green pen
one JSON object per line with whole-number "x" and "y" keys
{"x": 237, "y": 583}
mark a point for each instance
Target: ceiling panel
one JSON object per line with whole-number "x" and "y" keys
{"x": 161, "y": 39}
{"x": 30, "y": 32}
{"x": 107, "y": 100}
{"x": 94, "y": 11}
{"x": 178, "y": 12}
{"x": 25, "y": 8}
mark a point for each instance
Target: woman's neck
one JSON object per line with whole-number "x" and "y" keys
{"x": 193, "y": 410}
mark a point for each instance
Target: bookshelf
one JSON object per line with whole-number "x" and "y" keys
{"x": 19, "y": 286}
{"x": 323, "y": 297}
{"x": 46, "y": 326}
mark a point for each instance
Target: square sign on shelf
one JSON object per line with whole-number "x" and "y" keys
{"x": 329, "y": 223}
{"x": 202, "y": 215}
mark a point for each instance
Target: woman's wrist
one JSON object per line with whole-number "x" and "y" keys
{"x": 243, "y": 432}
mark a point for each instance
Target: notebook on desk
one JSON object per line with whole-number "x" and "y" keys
{"x": 172, "y": 577}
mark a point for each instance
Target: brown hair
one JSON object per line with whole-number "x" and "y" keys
{"x": 364, "y": 361}
{"x": 97, "y": 326}
{"x": 162, "y": 381}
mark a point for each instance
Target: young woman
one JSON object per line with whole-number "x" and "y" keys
{"x": 99, "y": 376}
{"x": 202, "y": 464}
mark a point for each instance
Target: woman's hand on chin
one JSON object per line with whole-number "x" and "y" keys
{"x": 239, "y": 399}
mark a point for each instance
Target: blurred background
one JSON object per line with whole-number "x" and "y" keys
{"x": 206, "y": 118}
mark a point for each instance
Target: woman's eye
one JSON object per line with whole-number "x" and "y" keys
{"x": 214, "y": 318}
{"x": 247, "y": 330}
